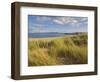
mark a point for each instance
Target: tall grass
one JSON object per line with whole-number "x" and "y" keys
{"x": 59, "y": 51}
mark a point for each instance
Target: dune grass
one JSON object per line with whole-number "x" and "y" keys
{"x": 58, "y": 51}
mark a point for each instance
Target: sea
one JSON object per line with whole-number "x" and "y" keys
{"x": 48, "y": 34}
{"x": 44, "y": 35}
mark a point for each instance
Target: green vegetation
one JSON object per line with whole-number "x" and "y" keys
{"x": 58, "y": 51}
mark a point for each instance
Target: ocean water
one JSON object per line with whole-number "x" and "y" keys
{"x": 44, "y": 35}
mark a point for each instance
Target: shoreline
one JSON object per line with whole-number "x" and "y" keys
{"x": 49, "y": 38}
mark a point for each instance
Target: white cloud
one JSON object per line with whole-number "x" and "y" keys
{"x": 43, "y": 18}
{"x": 68, "y": 20}
{"x": 37, "y": 28}
{"x": 58, "y": 21}
{"x": 38, "y": 25}
{"x": 84, "y": 19}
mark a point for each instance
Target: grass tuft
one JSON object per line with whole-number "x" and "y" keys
{"x": 58, "y": 51}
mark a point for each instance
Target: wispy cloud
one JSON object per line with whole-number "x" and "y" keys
{"x": 37, "y": 28}
{"x": 38, "y": 25}
{"x": 68, "y": 20}
{"x": 57, "y": 24}
{"x": 43, "y": 18}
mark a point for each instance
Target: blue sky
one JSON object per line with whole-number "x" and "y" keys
{"x": 62, "y": 24}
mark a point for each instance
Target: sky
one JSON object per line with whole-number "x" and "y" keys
{"x": 62, "y": 24}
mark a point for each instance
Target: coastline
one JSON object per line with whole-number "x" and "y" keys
{"x": 50, "y": 38}
{"x": 47, "y": 38}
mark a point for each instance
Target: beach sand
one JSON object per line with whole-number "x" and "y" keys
{"x": 37, "y": 39}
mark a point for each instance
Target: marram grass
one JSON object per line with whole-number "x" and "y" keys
{"x": 58, "y": 51}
